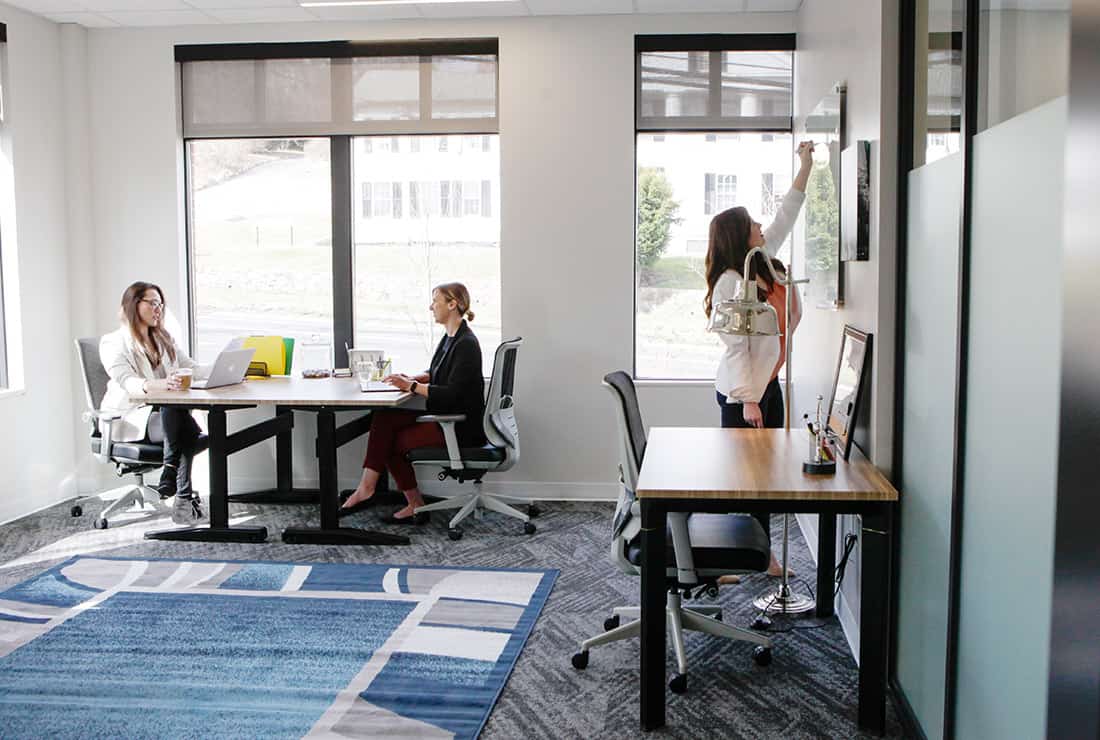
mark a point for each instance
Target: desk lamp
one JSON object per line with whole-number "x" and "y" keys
{"x": 746, "y": 315}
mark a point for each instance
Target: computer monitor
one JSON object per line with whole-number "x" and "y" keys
{"x": 848, "y": 383}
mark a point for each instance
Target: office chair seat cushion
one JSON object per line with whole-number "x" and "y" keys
{"x": 144, "y": 452}
{"x": 485, "y": 453}
{"x": 718, "y": 541}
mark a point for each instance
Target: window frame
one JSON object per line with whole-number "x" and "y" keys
{"x": 5, "y": 380}
{"x": 711, "y": 125}
{"x": 344, "y": 198}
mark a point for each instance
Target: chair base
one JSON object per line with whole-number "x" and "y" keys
{"x": 474, "y": 503}
{"x": 678, "y": 618}
{"x": 139, "y": 499}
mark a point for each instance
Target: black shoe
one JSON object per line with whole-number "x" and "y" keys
{"x": 167, "y": 488}
{"x": 417, "y": 519}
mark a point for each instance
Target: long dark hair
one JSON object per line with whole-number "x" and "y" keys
{"x": 156, "y": 337}
{"x": 729, "y": 243}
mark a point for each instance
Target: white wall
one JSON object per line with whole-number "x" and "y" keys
{"x": 36, "y": 436}
{"x": 567, "y": 210}
{"x": 854, "y": 41}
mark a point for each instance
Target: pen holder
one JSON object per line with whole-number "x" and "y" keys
{"x": 825, "y": 467}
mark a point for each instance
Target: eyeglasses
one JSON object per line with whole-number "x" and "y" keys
{"x": 155, "y": 304}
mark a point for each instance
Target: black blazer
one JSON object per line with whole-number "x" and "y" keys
{"x": 456, "y": 386}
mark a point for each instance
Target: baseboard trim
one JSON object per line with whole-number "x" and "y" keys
{"x": 908, "y": 718}
{"x": 67, "y": 490}
{"x": 808, "y": 524}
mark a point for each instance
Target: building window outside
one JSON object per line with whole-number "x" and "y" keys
{"x": 721, "y": 193}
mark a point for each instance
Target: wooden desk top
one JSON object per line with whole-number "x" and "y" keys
{"x": 685, "y": 462}
{"x": 283, "y": 391}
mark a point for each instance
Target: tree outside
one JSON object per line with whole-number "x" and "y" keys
{"x": 822, "y": 232}
{"x": 657, "y": 211}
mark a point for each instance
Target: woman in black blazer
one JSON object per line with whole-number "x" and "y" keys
{"x": 453, "y": 384}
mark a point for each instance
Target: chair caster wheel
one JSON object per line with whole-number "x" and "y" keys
{"x": 711, "y": 591}
{"x": 533, "y": 511}
{"x": 455, "y": 533}
{"x": 100, "y": 523}
{"x": 580, "y": 660}
{"x": 76, "y": 511}
{"x": 679, "y": 683}
{"x": 611, "y": 623}
{"x": 761, "y": 623}
{"x": 762, "y": 656}
{"x": 528, "y": 528}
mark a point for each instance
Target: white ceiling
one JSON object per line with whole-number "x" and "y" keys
{"x": 113, "y": 13}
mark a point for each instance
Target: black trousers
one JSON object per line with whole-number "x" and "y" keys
{"x": 179, "y": 432}
{"x": 771, "y": 408}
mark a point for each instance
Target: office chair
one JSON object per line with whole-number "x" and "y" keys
{"x": 701, "y": 547}
{"x": 129, "y": 458}
{"x": 500, "y": 453}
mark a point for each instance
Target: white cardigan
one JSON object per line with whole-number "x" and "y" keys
{"x": 128, "y": 367}
{"x": 746, "y": 366}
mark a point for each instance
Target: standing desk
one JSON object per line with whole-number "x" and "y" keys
{"x": 760, "y": 470}
{"x": 323, "y": 396}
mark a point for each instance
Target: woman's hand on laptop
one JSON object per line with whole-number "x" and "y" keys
{"x": 400, "y": 381}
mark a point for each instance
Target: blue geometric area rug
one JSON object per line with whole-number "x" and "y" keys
{"x": 112, "y": 647}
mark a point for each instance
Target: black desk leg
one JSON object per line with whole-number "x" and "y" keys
{"x": 826, "y": 563}
{"x": 218, "y": 504}
{"x": 284, "y": 491}
{"x": 874, "y": 616}
{"x": 330, "y": 531}
{"x": 654, "y": 520}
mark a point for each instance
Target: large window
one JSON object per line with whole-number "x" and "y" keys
{"x": 439, "y": 227}
{"x": 261, "y": 240}
{"x": 713, "y": 132}
{"x": 331, "y": 185}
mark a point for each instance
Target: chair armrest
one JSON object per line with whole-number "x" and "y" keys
{"x": 447, "y": 421}
{"x": 106, "y": 420}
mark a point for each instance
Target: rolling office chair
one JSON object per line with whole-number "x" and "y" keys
{"x": 702, "y": 547}
{"x": 129, "y": 458}
{"x": 500, "y": 453}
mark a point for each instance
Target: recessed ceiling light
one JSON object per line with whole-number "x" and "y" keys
{"x": 363, "y": 3}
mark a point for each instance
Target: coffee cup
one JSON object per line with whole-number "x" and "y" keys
{"x": 183, "y": 375}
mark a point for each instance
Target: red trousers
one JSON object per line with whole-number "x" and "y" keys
{"x": 393, "y": 432}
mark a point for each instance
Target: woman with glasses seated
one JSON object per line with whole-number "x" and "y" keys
{"x": 453, "y": 384}
{"x": 141, "y": 356}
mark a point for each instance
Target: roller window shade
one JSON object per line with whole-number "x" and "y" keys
{"x": 338, "y": 95}
{"x": 732, "y": 83}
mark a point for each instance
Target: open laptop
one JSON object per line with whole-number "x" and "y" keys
{"x": 229, "y": 369}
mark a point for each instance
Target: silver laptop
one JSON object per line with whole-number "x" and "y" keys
{"x": 229, "y": 369}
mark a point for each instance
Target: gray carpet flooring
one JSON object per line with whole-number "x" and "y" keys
{"x": 809, "y": 691}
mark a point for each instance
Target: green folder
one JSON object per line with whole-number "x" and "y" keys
{"x": 288, "y": 343}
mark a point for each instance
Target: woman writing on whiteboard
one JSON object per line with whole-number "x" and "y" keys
{"x": 747, "y": 381}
